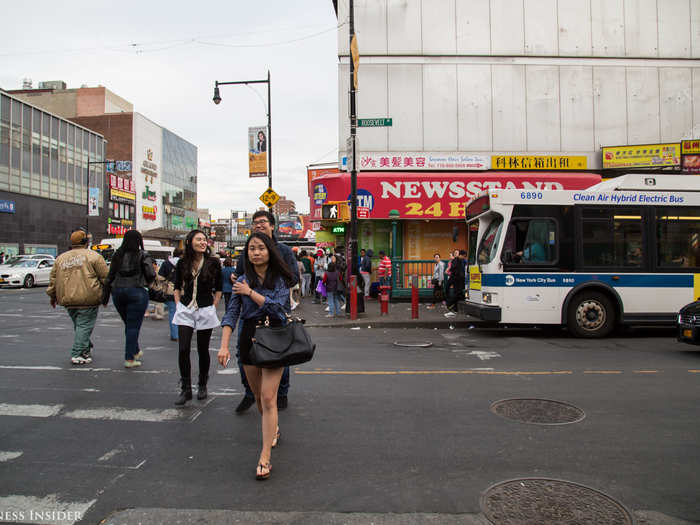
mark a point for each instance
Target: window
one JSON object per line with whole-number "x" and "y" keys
{"x": 678, "y": 237}
{"x": 472, "y": 234}
{"x": 612, "y": 237}
{"x": 489, "y": 242}
{"x": 531, "y": 241}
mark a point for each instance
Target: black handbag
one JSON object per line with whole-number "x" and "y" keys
{"x": 280, "y": 346}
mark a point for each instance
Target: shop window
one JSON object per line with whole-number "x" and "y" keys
{"x": 612, "y": 237}
{"x": 678, "y": 237}
{"x": 43, "y": 249}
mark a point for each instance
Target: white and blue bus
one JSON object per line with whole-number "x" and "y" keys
{"x": 625, "y": 251}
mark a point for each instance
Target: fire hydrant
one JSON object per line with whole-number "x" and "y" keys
{"x": 384, "y": 299}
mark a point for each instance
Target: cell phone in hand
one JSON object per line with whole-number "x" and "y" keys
{"x": 227, "y": 361}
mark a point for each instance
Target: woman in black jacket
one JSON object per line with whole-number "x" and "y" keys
{"x": 130, "y": 273}
{"x": 197, "y": 292}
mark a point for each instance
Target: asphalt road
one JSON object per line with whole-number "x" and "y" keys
{"x": 374, "y": 432}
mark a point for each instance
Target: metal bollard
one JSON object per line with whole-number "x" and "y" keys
{"x": 384, "y": 299}
{"x": 353, "y": 297}
{"x": 414, "y": 297}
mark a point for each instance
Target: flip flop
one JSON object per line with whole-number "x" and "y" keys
{"x": 259, "y": 475}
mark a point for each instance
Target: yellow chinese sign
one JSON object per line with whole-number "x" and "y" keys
{"x": 538, "y": 162}
{"x": 643, "y": 156}
{"x": 269, "y": 197}
{"x": 690, "y": 146}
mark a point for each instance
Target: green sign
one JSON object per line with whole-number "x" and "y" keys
{"x": 338, "y": 229}
{"x": 373, "y": 122}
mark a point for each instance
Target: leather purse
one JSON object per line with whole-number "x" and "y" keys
{"x": 280, "y": 346}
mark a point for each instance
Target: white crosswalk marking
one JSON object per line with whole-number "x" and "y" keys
{"x": 7, "y": 409}
{"x": 127, "y": 414}
{"x": 48, "y": 510}
{"x": 9, "y": 456}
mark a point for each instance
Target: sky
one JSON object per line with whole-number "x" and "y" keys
{"x": 164, "y": 56}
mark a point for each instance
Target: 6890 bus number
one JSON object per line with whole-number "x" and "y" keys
{"x": 531, "y": 195}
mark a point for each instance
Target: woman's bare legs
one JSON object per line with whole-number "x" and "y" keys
{"x": 264, "y": 383}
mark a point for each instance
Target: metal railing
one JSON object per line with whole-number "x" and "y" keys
{"x": 402, "y": 273}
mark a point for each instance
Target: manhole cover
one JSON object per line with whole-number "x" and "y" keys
{"x": 415, "y": 344}
{"x": 554, "y": 502}
{"x": 538, "y": 411}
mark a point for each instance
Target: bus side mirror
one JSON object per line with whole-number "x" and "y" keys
{"x": 455, "y": 233}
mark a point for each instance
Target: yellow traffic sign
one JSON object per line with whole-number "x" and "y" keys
{"x": 269, "y": 197}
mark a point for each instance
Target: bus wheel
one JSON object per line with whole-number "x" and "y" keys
{"x": 591, "y": 314}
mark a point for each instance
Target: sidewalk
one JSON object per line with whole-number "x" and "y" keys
{"x": 399, "y": 316}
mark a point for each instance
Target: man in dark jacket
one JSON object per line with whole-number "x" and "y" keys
{"x": 457, "y": 280}
{"x": 264, "y": 222}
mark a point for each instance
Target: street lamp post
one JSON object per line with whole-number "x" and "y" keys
{"x": 217, "y": 100}
{"x": 87, "y": 190}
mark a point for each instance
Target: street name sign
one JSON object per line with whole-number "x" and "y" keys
{"x": 374, "y": 122}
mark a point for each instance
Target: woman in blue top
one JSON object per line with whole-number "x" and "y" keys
{"x": 226, "y": 284}
{"x": 260, "y": 293}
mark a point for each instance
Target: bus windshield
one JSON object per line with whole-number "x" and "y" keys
{"x": 490, "y": 241}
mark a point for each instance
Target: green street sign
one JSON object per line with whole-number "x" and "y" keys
{"x": 373, "y": 122}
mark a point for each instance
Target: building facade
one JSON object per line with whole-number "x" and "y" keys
{"x": 43, "y": 178}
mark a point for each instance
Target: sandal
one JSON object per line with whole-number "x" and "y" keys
{"x": 260, "y": 474}
{"x": 276, "y": 440}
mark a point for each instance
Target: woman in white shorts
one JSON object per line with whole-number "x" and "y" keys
{"x": 197, "y": 292}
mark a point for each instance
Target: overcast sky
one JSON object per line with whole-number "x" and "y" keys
{"x": 163, "y": 56}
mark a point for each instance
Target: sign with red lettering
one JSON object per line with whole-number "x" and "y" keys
{"x": 362, "y": 212}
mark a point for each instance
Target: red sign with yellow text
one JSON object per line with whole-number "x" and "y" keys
{"x": 435, "y": 195}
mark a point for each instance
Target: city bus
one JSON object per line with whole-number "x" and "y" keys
{"x": 625, "y": 251}
{"x": 107, "y": 247}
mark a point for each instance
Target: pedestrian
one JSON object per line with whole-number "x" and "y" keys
{"x": 227, "y": 278}
{"x": 331, "y": 279}
{"x": 437, "y": 280}
{"x": 130, "y": 274}
{"x": 159, "y": 285}
{"x": 457, "y": 282}
{"x": 2, "y": 257}
{"x": 197, "y": 293}
{"x": 366, "y": 271}
{"x": 319, "y": 269}
{"x": 76, "y": 283}
{"x": 306, "y": 274}
{"x": 167, "y": 270}
{"x": 264, "y": 222}
{"x": 260, "y": 293}
{"x": 384, "y": 269}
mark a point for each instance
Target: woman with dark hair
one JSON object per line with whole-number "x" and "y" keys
{"x": 259, "y": 294}
{"x": 197, "y": 292}
{"x": 226, "y": 282}
{"x": 130, "y": 273}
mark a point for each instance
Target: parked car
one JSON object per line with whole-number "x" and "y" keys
{"x": 689, "y": 324}
{"x": 26, "y": 272}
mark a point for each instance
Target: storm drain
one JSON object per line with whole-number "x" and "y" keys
{"x": 538, "y": 411}
{"x": 554, "y": 502}
{"x": 414, "y": 344}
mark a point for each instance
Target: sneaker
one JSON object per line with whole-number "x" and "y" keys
{"x": 329, "y": 315}
{"x": 87, "y": 357}
{"x": 139, "y": 355}
{"x": 328, "y": 309}
{"x": 132, "y": 364}
{"x": 80, "y": 360}
{"x": 245, "y": 404}
{"x": 450, "y": 314}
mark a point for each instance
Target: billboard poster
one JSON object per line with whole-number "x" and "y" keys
{"x": 642, "y": 156}
{"x": 93, "y": 200}
{"x": 257, "y": 151}
{"x": 147, "y": 166}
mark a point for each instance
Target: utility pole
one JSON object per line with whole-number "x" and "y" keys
{"x": 352, "y": 154}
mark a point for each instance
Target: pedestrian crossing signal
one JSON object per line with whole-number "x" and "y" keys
{"x": 336, "y": 211}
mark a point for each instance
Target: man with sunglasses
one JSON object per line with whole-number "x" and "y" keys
{"x": 264, "y": 222}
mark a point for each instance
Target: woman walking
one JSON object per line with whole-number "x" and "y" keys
{"x": 331, "y": 279}
{"x": 197, "y": 292}
{"x": 226, "y": 284}
{"x": 130, "y": 273}
{"x": 259, "y": 294}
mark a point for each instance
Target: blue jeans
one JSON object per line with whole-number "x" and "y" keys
{"x": 171, "y": 314}
{"x": 284, "y": 382}
{"x": 131, "y": 303}
{"x": 334, "y": 303}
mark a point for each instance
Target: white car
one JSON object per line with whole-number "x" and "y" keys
{"x": 26, "y": 272}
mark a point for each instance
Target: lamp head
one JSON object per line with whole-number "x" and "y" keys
{"x": 217, "y": 97}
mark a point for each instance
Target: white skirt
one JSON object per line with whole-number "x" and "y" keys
{"x": 199, "y": 319}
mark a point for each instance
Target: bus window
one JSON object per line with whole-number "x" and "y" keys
{"x": 678, "y": 237}
{"x": 612, "y": 237}
{"x": 531, "y": 241}
{"x": 490, "y": 241}
{"x": 472, "y": 234}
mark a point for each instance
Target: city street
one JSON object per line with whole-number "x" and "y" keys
{"x": 374, "y": 432}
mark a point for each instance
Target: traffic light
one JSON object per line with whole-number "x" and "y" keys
{"x": 336, "y": 211}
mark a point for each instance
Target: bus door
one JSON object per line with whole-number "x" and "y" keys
{"x": 532, "y": 291}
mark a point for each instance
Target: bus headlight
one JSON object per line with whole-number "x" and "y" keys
{"x": 488, "y": 297}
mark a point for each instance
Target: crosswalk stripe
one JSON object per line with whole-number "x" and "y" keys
{"x": 7, "y": 409}
{"x": 48, "y": 510}
{"x": 9, "y": 456}
{"x": 129, "y": 414}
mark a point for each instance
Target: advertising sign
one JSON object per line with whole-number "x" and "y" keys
{"x": 7, "y": 206}
{"x": 538, "y": 162}
{"x": 642, "y": 156}
{"x": 257, "y": 151}
{"x": 691, "y": 163}
{"x": 93, "y": 200}
{"x": 147, "y": 160}
{"x": 432, "y": 195}
{"x": 691, "y": 147}
{"x": 418, "y": 161}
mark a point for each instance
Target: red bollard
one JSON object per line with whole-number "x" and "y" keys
{"x": 414, "y": 298}
{"x": 353, "y": 297}
{"x": 384, "y": 299}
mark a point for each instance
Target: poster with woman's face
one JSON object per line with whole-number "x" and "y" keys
{"x": 257, "y": 151}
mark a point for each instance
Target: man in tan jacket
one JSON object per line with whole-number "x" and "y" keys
{"x": 77, "y": 279}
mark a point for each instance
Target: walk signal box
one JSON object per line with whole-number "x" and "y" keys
{"x": 336, "y": 211}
